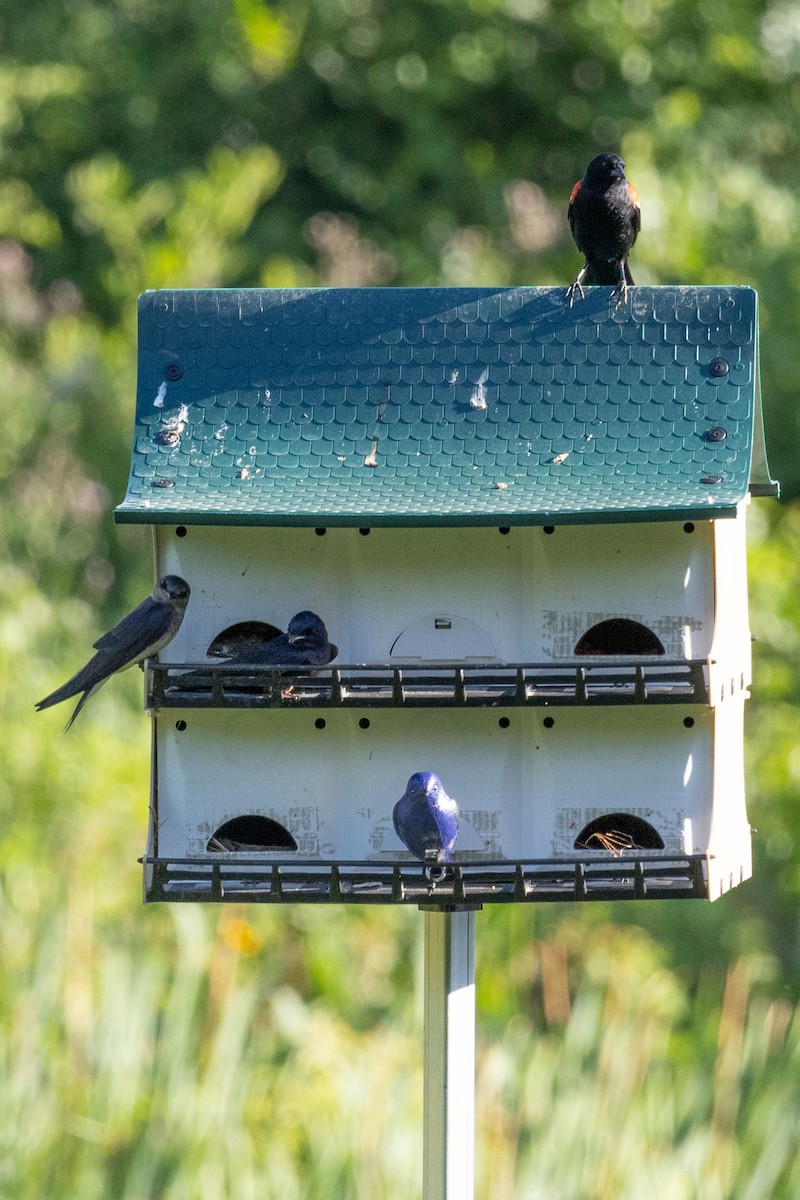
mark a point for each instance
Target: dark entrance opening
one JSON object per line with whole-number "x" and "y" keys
{"x": 251, "y": 833}
{"x": 616, "y": 832}
{"x": 619, "y": 635}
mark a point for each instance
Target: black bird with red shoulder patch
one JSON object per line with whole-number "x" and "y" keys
{"x": 605, "y": 219}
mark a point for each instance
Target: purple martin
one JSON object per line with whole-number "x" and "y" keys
{"x": 426, "y": 819}
{"x": 139, "y": 635}
{"x": 305, "y": 644}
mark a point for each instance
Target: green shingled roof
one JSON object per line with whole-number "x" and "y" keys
{"x": 400, "y": 406}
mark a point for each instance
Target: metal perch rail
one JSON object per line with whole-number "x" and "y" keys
{"x": 611, "y": 681}
{"x": 467, "y": 885}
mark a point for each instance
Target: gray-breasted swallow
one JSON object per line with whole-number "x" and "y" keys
{"x": 426, "y": 819}
{"x": 139, "y": 635}
{"x": 305, "y": 644}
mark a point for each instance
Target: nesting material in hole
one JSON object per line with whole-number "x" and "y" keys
{"x": 619, "y": 635}
{"x": 251, "y": 834}
{"x": 617, "y": 832}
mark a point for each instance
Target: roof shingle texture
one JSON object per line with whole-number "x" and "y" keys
{"x": 402, "y": 406}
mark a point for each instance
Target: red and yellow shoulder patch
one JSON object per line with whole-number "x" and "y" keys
{"x": 575, "y": 191}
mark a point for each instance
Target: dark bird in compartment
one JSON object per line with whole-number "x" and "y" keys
{"x": 426, "y": 819}
{"x": 139, "y": 635}
{"x": 605, "y": 219}
{"x": 305, "y": 644}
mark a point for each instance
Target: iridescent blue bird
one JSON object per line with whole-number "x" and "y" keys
{"x": 139, "y": 635}
{"x": 426, "y": 819}
{"x": 305, "y": 644}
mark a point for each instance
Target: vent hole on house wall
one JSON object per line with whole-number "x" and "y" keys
{"x": 249, "y": 833}
{"x": 616, "y": 832}
{"x": 181, "y": 531}
{"x": 618, "y": 635}
{"x": 320, "y": 531}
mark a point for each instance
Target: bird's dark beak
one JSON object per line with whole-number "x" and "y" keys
{"x": 618, "y": 173}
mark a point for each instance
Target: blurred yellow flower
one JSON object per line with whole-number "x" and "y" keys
{"x": 239, "y": 935}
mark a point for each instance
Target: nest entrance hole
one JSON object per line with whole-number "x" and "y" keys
{"x": 251, "y": 833}
{"x": 619, "y": 635}
{"x": 617, "y": 832}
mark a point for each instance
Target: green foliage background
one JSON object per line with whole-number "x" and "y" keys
{"x": 196, "y": 1054}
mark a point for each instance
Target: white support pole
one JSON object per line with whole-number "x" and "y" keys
{"x": 448, "y": 1153}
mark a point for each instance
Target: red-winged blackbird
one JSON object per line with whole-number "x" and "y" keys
{"x": 604, "y": 218}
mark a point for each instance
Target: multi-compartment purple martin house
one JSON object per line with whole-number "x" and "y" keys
{"x": 523, "y": 525}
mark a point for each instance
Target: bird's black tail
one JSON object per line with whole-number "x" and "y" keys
{"x": 83, "y": 681}
{"x": 605, "y": 274}
{"x": 79, "y": 706}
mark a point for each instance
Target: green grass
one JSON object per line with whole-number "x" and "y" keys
{"x": 186, "y": 1070}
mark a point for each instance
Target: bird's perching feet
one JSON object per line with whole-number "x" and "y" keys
{"x": 575, "y": 288}
{"x": 436, "y": 870}
{"x": 620, "y": 292}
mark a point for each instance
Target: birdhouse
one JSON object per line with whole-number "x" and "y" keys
{"x": 522, "y": 526}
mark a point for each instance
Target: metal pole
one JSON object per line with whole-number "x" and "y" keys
{"x": 448, "y": 1150}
